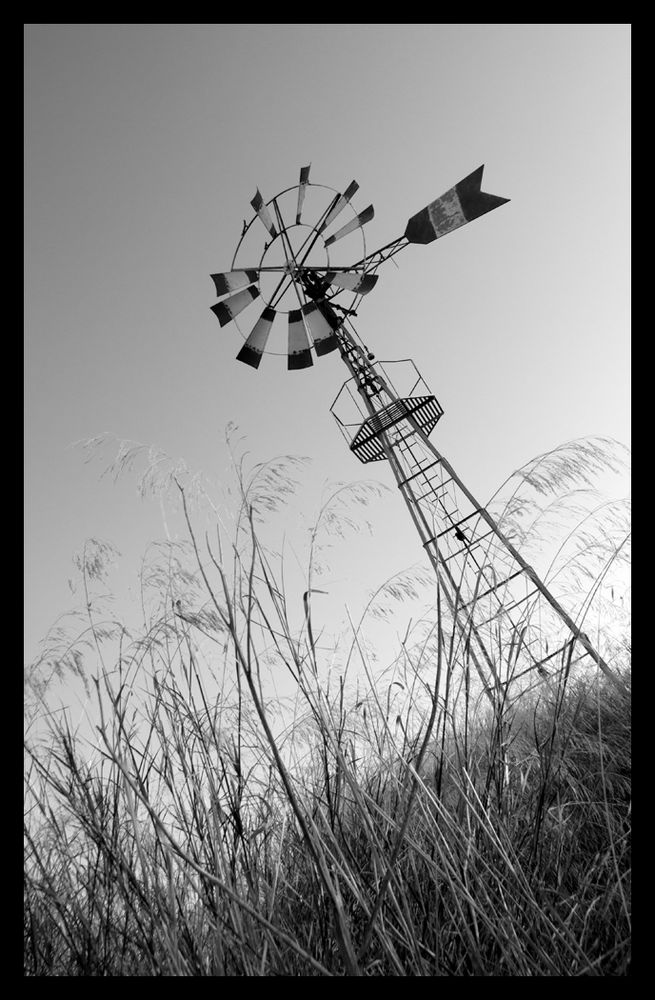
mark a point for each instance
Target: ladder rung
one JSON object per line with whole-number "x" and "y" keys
{"x": 439, "y": 486}
{"x": 468, "y": 548}
{"x": 415, "y": 474}
{"x": 476, "y": 513}
{"x": 430, "y": 493}
{"x": 506, "y": 611}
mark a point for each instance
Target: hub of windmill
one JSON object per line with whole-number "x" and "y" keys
{"x": 403, "y": 404}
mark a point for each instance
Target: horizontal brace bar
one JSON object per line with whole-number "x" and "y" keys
{"x": 420, "y": 471}
{"x": 474, "y": 543}
{"x": 506, "y": 611}
{"x": 476, "y": 513}
{"x": 493, "y": 589}
{"x": 435, "y": 492}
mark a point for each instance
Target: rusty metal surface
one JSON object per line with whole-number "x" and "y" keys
{"x": 350, "y": 227}
{"x": 255, "y": 345}
{"x": 302, "y": 188}
{"x": 263, "y": 213}
{"x": 230, "y": 281}
{"x": 460, "y": 204}
{"x": 229, "y": 308}
{"x": 300, "y": 355}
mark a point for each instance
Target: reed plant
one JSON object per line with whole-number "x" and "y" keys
{"x": 375, "y": 820}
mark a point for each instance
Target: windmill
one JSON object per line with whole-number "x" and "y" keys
{"x": 283, "y": 272}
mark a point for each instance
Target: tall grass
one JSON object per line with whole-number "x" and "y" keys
{"x": 371, "y": 823}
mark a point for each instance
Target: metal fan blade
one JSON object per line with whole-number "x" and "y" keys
{"x": 320, "y": 328}
{"x": 300, "y": 355}
{"x": 255, "y": 345}
{"x": 230, "y": 281}
{"x": 356, "y": 223}
{"x": 231, "y": 307}
{"x": 263, "y": 213}
{"x": 360, "y": 283}
{"x": 459, "y": 205}
{"x": 339, "y": 205}
{"x": 304, "y": 178}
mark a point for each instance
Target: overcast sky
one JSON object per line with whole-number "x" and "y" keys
{"x": 146, "y": 143}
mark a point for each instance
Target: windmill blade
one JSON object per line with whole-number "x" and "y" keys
{"x": 339, "y": 205}
{"x": 320, "y": 328}
{"x": 231, "y": 307}
{"x": 459, "y": 205}
{"x": 362, "y": 284}
{"x": 230, "y": 281}
{"x": 300, "y": 355}
{"x": 263, "y": 213}
{"x": 355, "y": 223}
{"x": 255, "y": 345}
{"x": 304, "y": 179}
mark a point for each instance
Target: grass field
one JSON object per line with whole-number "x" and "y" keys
{"x": 395, "y": 823}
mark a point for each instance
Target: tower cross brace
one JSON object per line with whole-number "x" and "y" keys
{"x": 502, "y": 610}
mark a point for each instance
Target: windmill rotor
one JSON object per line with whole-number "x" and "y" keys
{"x": 281, "y": 289}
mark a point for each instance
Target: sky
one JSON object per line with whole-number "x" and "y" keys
{"x": 144, "y": 144}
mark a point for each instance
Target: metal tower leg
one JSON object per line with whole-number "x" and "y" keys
{"x": 474, "y": 646}
{"x": 510, "y": 622}
{"x": 499, "y": 596}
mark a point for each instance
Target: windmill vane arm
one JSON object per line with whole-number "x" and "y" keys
{"x": 373, "y": 260}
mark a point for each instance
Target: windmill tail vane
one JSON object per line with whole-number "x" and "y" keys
{"x": 508, "y": 624}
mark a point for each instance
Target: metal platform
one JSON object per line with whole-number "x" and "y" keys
{"x": 367, "y": 445}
